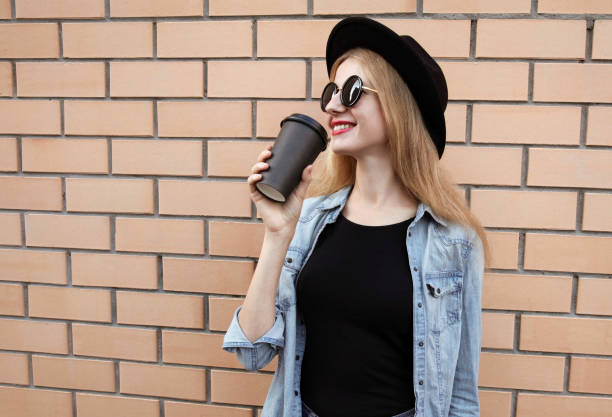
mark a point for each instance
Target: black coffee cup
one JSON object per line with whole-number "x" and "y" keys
{"x": 298, "y": 144}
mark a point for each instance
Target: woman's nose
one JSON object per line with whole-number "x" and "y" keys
{"x": 335, "y": 104}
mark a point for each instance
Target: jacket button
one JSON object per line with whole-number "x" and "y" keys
{"x": 415, "y": 268}
{"x": 289, "y": 260}
{"x": 296, "y": 393}
{"x": 421, "y": 343}
{"x": 438, "y": 290}
{"x": 420, "y": 305}
{"x": 409, "y": 234}
{"x": 297, "y": 357}
{"x": 420, "y": 382}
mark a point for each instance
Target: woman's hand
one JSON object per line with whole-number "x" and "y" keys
{"x": 279, "y": 218}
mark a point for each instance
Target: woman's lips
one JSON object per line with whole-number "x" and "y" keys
{"x": 337, "y": 132}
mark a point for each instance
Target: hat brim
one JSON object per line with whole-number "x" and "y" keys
{"x": 354, "y": 32}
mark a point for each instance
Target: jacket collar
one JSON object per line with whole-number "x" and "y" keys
{"x": 338, "y": 199}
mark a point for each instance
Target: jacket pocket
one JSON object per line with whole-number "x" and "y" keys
{"x": 444, "y": 295}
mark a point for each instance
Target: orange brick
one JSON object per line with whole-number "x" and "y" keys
{"x": 574, "y": 6}
{"x": 108, "y": 40}
{"x": 69, "y": 303}
{"x": 497, "y": 330}
{"x": 597, "y": 212}
{"x": 60, "y": 79}
{"x": 11, "y": 301}
{"x": 157, "y": 79}
{"x": 34, "y": 336}
{"x": 67, "y": 231}
{"x": 455, "y": 115}
{"x": 8, "y": 154}
{"x": 87, "y": 374}
{"x": 204, "y": 119}
{"x": 113, "y": 118}
{"x": 239, "y": 387}
{"x": 37, "y": 402}
{"x": 495, "y": 403}
{"x": 293, "y": 38}
{"x": 29, "y": 40}
{"x": 64, "y": 155}
{"x": 565, "y": 334}
{"x": 163, "y": 381}
{"x": 261, "y": 7}
{"x": 486, "y": 80}
{"x": 5, "y": 9}
{"x": 586, "y": 168}
{"x": 319, "y": 78}
{"x": 543, "y": 405}
{"x": 14, "y": 370}
{"x": 271, "y": 113}
{"x": 6, "y": 79}
{"x": 594, "y": 295}
{"x": 224, "y": 238}
{"x": 155, "y": 309}
{"x": 191, "y": 348}
{"x": 554, "y": 125}
{"x": 233, "y": 158}
{"x": 38, "y": 117}
{"x": 555, "y": 252}
{"x": 114, "y": 270}
{"x": 10, "y": 229}
{"x": 179, "y": 409}
{"x": 572, "y": 82}
{"x": 96, "y": 405}
{"x": 206, "y": 198}
{"x": 598, "y": 128}
{"x": 137, "y": 8}
{"x": 33, "y": 266}
{"x": 214, "y": 276}
{"x": 363, "y": 6}
{"x": 31, "y": 193}
{"x": 590, "y": 375}
{"x": 159, "y": 235}
{"x": 483, "y": 165}
{"x": 56, "y": 9}
{"x": 274, "y": 79}
{"x": 210, "y": 39}
{"x": 109, "y": 195}
{"x": 525, "y": 209}
{"x": 504, "y": 249}
{"x": 526, "y": 372}
{"x": 114, "y": 342}
{"x": 602, "y": 39}
{"x": 530, "y": 38}
{"x": 221, "y": 310}
{"x": 476, "y": 6}
{"x": 527, "y": 292}
{"x": 157, "y": 157}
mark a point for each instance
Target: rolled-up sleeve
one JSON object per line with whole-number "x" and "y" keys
{"x": 255, "y": 355}
{"x": 464, "y": 400}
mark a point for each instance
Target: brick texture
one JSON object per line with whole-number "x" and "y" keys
{"x": 128, "y": 239}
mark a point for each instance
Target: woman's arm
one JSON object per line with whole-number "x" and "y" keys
{"x": 464, "y": 400}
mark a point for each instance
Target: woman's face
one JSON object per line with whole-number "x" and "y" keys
{"x": 367, "y": 130}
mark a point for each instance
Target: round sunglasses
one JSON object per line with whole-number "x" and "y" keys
{"x": 350, "y": 92}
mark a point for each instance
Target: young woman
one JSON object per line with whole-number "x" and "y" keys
{"x": 368, "y": 285}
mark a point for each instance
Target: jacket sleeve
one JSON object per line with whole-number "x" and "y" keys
{"x": 255, "y": 355}
{"x": 464, "y": 400}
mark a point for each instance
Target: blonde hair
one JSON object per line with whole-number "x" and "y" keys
{"x": 415, "y": 159}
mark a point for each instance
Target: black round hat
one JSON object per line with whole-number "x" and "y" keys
{"x": 417, "y": 68}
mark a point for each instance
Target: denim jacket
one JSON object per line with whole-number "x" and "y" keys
{"x": 447, "y": 267}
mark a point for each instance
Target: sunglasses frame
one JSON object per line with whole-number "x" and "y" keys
{"x": 337, "y": 89}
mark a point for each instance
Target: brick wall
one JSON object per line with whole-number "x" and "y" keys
{"x": 127, "y": 131}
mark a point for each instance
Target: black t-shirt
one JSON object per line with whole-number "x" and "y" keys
{"x": 355, "y": 295}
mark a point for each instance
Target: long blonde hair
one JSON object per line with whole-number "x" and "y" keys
{"x": 414, "y": 156}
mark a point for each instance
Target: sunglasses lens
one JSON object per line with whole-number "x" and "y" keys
{"x": 351, "y": 90}
{"x": 327, "y": 94}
